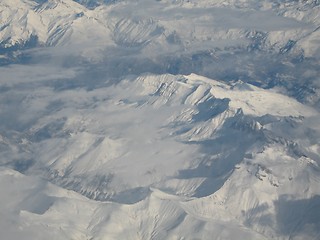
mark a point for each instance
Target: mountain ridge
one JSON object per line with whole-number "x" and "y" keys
{"x": 134, "y": 156}
{"x": 159, "y": 119}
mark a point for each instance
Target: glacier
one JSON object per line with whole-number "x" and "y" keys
{"x": 159, "y": 119}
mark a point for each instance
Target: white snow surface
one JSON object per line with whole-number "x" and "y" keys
{"x": 159, "y": 157}
{"x": 94, "y": 146}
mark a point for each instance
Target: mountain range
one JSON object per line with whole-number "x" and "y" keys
{"x": 159, "y": 119}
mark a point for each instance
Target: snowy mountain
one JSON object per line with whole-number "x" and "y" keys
{"x": 282, "y": 26}
{"x": 267, "y": 43}
{"x": 159, "y": 119}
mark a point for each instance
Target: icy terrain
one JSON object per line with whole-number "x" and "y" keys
{"x": 159, "y": 119}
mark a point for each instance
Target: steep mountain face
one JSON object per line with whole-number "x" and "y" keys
{"x": 109, "y": 130}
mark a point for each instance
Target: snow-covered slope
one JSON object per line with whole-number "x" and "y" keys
{"x": 109, "y": 129}
{"x": 163, "y": 157}
{"x": 50, "y": 23}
